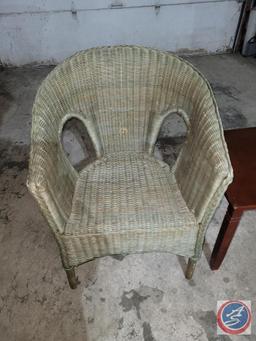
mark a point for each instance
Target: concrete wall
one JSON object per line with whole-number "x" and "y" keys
{"x": 46, "y": 31}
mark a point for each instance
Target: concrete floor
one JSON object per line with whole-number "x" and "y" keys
{"x": 136, "y": 297}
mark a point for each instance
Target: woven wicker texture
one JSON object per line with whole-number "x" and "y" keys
{"x": 126, "y": 201}
{"x": 123, "y": 193}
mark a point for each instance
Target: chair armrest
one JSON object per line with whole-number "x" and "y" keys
{"x": 51, "y": 180}
{"x": 203, "y": 169}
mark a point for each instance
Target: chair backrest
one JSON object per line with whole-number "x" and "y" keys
{"x": 122, "y": 94}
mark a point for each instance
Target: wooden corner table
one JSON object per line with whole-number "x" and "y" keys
{"x": 241, "y": 194}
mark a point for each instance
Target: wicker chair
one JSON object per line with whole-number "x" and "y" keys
{"x": 127, "y": 201}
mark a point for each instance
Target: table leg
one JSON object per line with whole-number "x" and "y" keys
{"x": 225, "y": 236}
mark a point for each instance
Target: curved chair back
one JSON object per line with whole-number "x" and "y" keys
{"x": 121, "y": 94}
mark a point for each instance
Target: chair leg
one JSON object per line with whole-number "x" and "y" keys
{"x": 190, "y": 268}
{"x": 72, "y": 278}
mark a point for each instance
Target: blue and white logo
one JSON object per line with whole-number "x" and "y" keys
{"x": 234, "y": 317}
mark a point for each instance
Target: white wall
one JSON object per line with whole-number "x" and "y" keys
{"x": 47, "y": 31}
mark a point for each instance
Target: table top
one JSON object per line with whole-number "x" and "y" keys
{"x": 242, "y": 151}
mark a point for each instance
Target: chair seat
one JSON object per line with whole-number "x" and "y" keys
{"x": 128, "y": 192}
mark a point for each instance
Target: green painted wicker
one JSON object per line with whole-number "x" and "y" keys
{"x": 127, "y": 201}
